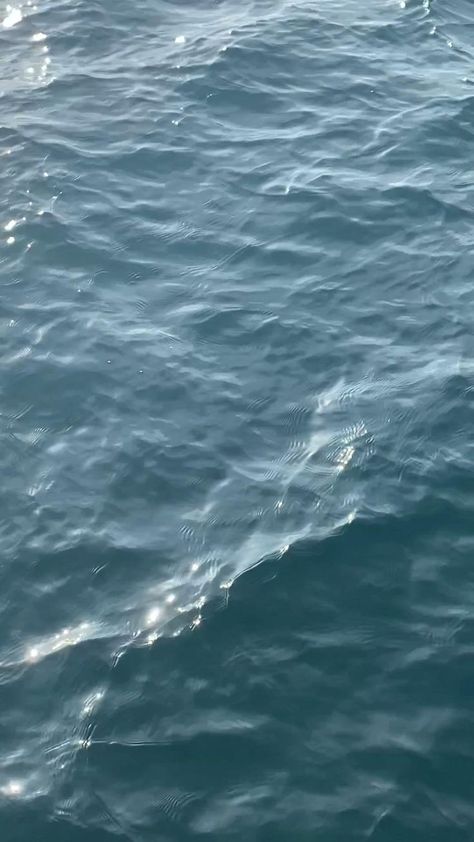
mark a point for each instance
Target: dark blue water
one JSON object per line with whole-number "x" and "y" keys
{"x": 236, "y": 420}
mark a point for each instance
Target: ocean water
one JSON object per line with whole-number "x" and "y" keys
{"x": 236, "y": 420}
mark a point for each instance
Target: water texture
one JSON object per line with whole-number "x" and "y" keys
{"x": 236, "y": 414}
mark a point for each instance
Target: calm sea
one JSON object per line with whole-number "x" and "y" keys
{"x": 236, "y": 421}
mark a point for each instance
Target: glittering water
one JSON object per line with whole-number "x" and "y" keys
{"x": 236, "y": 414}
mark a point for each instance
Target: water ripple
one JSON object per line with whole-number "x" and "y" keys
{"x": 236, "y": 405}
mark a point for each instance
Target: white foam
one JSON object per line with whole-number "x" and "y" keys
{"x": 14, "y": 16}
{"x": 13, "y": 789}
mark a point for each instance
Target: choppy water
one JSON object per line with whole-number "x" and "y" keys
{"x": 236, "y": 420}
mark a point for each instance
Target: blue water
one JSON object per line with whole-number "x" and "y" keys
{"x": 236, "y": 420}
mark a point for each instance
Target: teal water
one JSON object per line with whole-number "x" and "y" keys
{"x": 236, "y": 413}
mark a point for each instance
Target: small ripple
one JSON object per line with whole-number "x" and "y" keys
{"x": 174, "y": 804}
{"x": 39, "y": 649}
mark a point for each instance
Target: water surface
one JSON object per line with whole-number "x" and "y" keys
{"x": 236, "y": 415}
